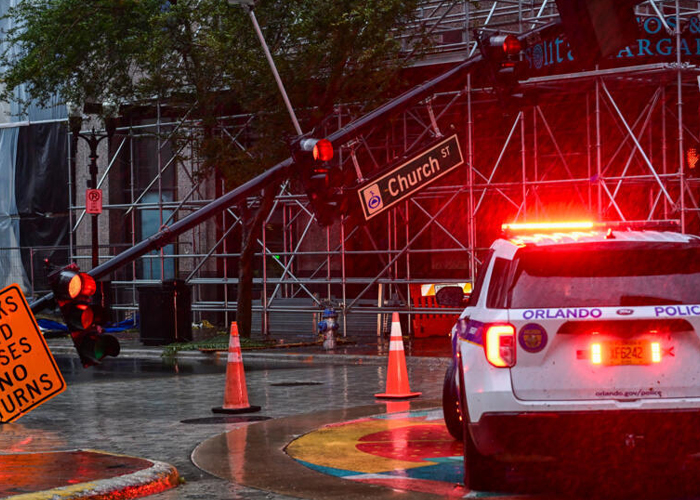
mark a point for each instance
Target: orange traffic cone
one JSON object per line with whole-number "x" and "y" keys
{"x": 397, "y": 374}
{"x": 235, "y": 393}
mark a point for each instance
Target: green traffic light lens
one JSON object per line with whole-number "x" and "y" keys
{"x": 106, "y": 345}
{"x": 93, "y": 346}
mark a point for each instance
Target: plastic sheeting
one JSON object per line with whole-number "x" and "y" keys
{"x": 11, "y": 268}
{"x": 33, "y": 182}
{"x": 13, "y": 112}
{"x": 41, "y": 192}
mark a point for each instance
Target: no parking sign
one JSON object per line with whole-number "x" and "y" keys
{"x": 93, "y": 201}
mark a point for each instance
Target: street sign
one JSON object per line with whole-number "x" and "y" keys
{"x": 93, "y": 201}
{"x": 29, "y": 375}
{"x": 410, "y": 177}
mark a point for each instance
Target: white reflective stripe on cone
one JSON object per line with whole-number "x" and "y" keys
{"x": 235, "y": 341}
{"x": 234, "y": 357}
{"x": 396, "y": 345}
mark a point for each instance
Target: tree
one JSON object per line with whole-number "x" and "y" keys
{"x": 203, "y": 55}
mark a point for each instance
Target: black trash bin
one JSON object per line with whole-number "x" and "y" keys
{"x": 165, "y": 313}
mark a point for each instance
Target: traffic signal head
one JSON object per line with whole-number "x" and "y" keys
{"x": 321, "y": 181}
{"x": 93, "y": 345}
{"x": 598, "y": 28}
{"x": 320, "y": 149}
{"x": 73, "y": 292}
{"x": 308, "y": 149}
{"x": 503, "y": 55}
{"x": 69, "y": 283}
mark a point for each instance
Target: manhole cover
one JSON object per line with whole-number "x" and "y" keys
{"x": 295, "y": 384}
{"x": 225, "y": 420}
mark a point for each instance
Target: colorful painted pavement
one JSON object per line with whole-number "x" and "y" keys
{"x": 408, "y": 450}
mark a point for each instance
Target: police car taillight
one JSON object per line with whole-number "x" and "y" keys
{"x": 499, "y": 345}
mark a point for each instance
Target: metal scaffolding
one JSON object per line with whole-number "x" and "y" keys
{"x": 608, "y": 144}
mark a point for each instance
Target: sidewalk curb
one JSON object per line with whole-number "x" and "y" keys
{"x": 286, "y": 357}
{"x": 344, "y": 359}
{"x": 159, "y": 477}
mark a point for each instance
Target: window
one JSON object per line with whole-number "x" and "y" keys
{"x": 498, "y": 283}
{"x": 479, "y": 283}
{"x": 627, "y": 274}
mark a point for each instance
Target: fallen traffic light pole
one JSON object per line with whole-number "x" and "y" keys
{"x": 351, "y": 130}
{"x": 282, "y": 169}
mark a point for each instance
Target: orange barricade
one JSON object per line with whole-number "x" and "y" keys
{"x": 429, "y": 324}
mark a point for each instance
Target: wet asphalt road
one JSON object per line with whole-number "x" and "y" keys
{"x": 137, "y": 407}
{"x": 161, "y": 409}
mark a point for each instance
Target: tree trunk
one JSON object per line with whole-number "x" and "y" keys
{"x": 251, "y": 230}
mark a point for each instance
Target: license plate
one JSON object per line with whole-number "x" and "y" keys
{"x": 627, "y": 352}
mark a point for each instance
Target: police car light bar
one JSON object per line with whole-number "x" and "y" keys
{"x": 547, "y": 226}
{"x": 544, "y": 227}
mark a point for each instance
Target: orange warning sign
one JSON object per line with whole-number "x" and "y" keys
{"x": 29, "y": 375}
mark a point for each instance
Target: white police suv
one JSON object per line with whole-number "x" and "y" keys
{"x": 577, "y": 335}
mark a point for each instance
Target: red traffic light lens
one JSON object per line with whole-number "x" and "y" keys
{"x": 86, "y": 315}
{"x": 88, "y": 286}
{"x": 511, "y": 45}
{"x": 323, "y": 150}
{"x": 78, "y": 316}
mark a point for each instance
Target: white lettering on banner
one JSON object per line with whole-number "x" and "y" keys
{"x": 396, "y": 345}
{"x": 552, "y": 52}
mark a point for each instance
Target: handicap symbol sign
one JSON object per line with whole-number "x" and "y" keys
{"x": 373, "y": 199}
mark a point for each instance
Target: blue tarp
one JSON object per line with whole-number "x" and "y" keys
{"x": 55, "y": 326}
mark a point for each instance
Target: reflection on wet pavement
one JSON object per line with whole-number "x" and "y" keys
{"x": 35, "y": 472}
{"x": 352, "y": 453}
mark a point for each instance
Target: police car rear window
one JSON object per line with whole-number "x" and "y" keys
{"x": 627, "y": 275}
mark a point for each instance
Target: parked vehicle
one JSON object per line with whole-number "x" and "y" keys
{"x": 581, "y": 335}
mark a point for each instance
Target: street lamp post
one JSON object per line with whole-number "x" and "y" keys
{"x": 248, "y": 7}
{"x": 93, "y": 139}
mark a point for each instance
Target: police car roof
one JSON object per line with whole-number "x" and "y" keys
{"x": 572, "y": 237}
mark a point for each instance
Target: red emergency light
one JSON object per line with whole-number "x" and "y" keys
{"x": 548, "y": 226}
{"x": 585, "y": 225}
